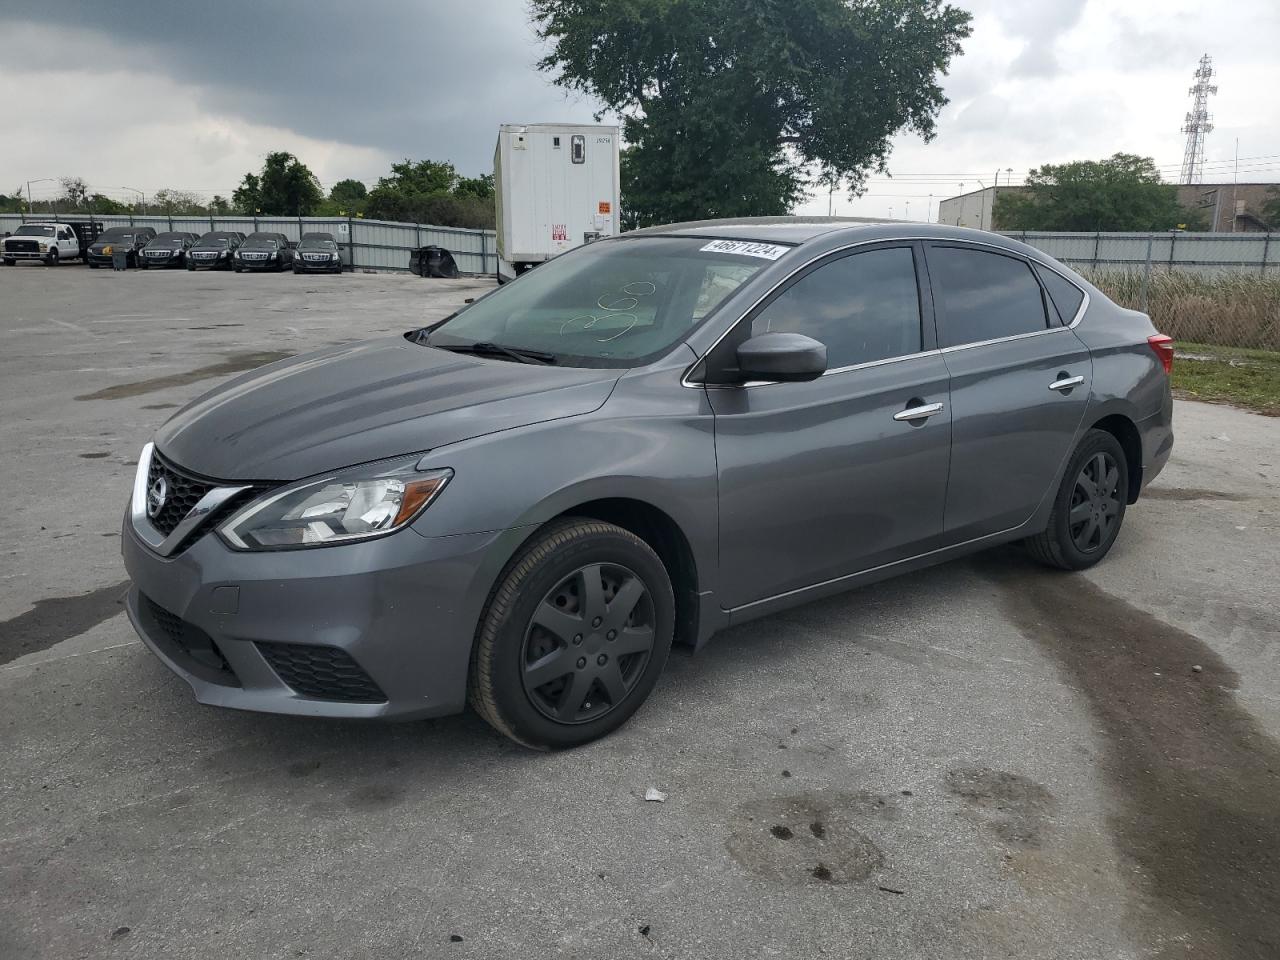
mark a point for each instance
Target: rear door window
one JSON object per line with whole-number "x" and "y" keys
{"x": 983, "y": 295}
{"x": 1064, "y": 296}
{"x": 863, "y": 307}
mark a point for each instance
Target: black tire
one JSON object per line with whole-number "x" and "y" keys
{"x": 296, "y": 271}
{"x": 550, "y": 569}
{"x": 10, "y": 261}
{"x": 1088, "y": 509}
{"x": 52, "y": 259}
{"x": 92, "y": 265}
{"x": 236, "y": 269}
{"x": 191, "y": 266}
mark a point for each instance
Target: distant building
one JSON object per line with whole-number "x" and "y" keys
{"x": 1227, "y": 206}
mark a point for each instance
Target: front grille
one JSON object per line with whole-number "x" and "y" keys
{"x": 185, "y": 490}
{"x": 322, "y": 673}
{"x": 21, "y": 246}
{"x": 159, "y": 253}
{"x": 201, "y": 255}
{"x": 316, "y": 257}
{"x": 253, "y": 256}
{"x": 190, "y": 642}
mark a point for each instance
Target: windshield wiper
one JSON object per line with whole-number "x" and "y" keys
{"x": 484, "y": 348}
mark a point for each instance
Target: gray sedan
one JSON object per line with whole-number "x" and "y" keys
{"x": 641, "y": 442}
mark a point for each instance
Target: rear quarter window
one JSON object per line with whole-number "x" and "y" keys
{"x": 1064, "y": 295}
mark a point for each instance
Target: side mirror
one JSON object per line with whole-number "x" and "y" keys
{"x": 790, "y": 357}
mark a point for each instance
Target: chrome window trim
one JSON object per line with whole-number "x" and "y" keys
{"x": 1084, "y": 306}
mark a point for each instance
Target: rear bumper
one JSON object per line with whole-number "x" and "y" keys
{"x": 1157, "y": 440}
{"x": 400, "y": 611}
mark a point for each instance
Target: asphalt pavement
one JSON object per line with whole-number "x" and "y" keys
{"x": 986, "y": 759}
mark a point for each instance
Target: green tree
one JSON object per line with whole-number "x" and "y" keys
{"x": 247, "y": 198}
{"x": 285, "y": 187}
{"x": 430, "y": 191}
{"x": 349, "y": 194}
{"x": 169, "y": 201}
{"x": 728, "y": 104}
{"x": 1123, "y": 192}
{"x": 1271, "y": 209}
{"x": 219, "y": 206}
{"x": 480, "y": 187}
{"x": 99, "y": 203}
{"x": 75, "y": 192}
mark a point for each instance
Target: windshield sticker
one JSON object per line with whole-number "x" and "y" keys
{"x": 745, "y": 248}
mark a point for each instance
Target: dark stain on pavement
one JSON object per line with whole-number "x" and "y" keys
{"x": 374, "y": 796}
{"x": 234, "y": 363}
{"x": 1016, "y": 808}
{"x": 1194, "y": 778}
{"x": 98, "y": 455}
{"x": 1189, "y": 493}
{"x": 821, "y": 834}
{"x": 159, "y": 406}
{"x": 55, "y": 619}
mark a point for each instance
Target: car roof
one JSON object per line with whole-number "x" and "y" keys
{"x": 832, "y": 230}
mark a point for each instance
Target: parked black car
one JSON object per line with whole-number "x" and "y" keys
{"x": 317, "y": 253}
{"x": 214, "y": 250}
{"x": 168, "y": 249}
{"x": 264, "y": 251}
{"x": 132, "y": 239}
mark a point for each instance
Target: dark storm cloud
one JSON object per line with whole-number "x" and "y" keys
{"x": 414, "y": 79}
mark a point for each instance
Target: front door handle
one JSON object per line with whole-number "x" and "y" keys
{"x": 1066, "y": 383}
{"x": 921, "y": 412}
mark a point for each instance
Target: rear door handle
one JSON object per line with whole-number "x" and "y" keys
{"x": 918, "y": 413}
{"x": 1066, "y": 383}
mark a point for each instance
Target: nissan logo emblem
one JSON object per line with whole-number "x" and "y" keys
{"x": 156, "y": 496}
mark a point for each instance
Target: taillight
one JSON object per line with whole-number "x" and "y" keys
{"x": 1163, "y": 346}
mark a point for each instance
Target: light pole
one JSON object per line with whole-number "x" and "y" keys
{"x": 41, "y": 180}
{"x": 982, "y": 206}
{"x": 142, "y": 195}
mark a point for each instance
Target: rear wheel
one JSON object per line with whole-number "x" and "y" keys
{"x": 1088, "y": 508}
{"x": 575, "y": 635}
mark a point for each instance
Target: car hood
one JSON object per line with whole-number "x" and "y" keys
{"x": 98, "y": 245}
{"x": 366, "y": 401}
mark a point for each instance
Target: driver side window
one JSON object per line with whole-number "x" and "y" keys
{"x": 863, "y": 307}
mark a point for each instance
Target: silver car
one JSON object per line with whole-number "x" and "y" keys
{"x": 641, "y": 442}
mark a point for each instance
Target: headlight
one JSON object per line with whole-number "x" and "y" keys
{"x": 271, "y": 255}
{"x": 360, "y": 504}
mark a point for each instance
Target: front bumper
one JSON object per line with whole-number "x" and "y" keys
{"x": 156, "y": 263}
{"x": 400, "y": 611}
{"x": 209, "y": 263}
{"x": 263, "y": 265}
{"x": 317, "y": 266}
{"x": 24, "y": 255}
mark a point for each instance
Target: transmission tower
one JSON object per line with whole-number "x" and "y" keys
{"x": 1198, "y": 123}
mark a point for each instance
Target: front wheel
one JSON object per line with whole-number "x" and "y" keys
{"x": 575, "y": 635}
{"x": 1088, "y": 508}
{"x": 10, "y": 261}
{"x": 52, "y": 259}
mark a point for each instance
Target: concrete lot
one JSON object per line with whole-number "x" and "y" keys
{"x": 983, "y": 760}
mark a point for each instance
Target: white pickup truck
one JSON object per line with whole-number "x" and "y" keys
{"x": 50, "y": 242}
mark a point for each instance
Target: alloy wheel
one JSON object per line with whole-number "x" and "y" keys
{"x": 1095, "y": 503}
{"x": 587, "y": 643}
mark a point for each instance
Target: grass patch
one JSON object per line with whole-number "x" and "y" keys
{"x": 1247, "y": 378}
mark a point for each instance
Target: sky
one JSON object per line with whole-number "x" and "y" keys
{"x": 135, "y": 97}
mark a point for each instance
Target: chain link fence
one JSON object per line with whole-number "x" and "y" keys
{"x": 366, "y": 244}
{"x": 1200, "y": 288}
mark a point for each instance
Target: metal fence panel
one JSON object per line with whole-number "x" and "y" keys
{"x": 366, "y": 244}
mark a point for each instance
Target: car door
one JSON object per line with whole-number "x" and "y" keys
{"x": 1020, "y": 383}
{"x": 67, "y": 246}
{"x": 823, "y": 479}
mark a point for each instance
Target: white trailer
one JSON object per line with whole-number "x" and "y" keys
{"x": 557, "y": 188}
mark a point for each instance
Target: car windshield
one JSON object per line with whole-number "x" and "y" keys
{"x": 261, "y": 244}
{"x": 33, "y": 231}
{"x": 116, "y": 235}
{"x": 318, "y": 245}
{"x": 616, "y": 303}
{"x": 168, "y": 238}
{"x": 214, "y": 241}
